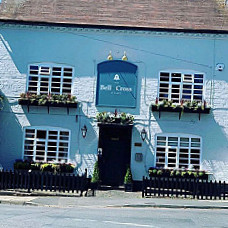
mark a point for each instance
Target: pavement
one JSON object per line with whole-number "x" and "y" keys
{"x": 105, "y": 198}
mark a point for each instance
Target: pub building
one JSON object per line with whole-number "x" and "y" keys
{"x": 127, "y": 91}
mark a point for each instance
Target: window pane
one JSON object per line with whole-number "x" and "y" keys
{"x": 41, "y": 134}
{"x": 195, "y": 140}
{"x": 44, "y": 70}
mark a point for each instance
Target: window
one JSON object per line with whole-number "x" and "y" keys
{"x": 46, "y": 145}
{"x": 44, "y": 79}
{"x": 178, "y": 151}
{"x": 177, "y": 86}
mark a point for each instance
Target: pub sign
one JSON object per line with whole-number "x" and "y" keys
{"x": 116, "y": 84}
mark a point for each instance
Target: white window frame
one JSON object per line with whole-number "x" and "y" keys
{"x": 48, "y": 74}
{"x": 181, "y": 84}
{"x": 47, "y": 129}
{"x": 178, "y": 147}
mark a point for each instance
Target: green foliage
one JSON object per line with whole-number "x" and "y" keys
{"x": 51, "y": 98}
{"x": 1, "y": 102}
{"x": 128, "y": 177}
{"x": 177, "y": 173}
{"x": 108, "y": 117}
{"x": 44, "y": 167}
{"x": 66, "y": 168}
{"x": 20, "y": 165}
{"x": 194, "y": 105}
{"x": 35, "y": 166}
{"x": 96, "y": 173}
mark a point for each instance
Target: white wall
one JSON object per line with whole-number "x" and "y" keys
{"x": 84, "y": 49}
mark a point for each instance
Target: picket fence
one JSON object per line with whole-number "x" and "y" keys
{"x": 44, "y": 181}
{"x": 184, "y": 187}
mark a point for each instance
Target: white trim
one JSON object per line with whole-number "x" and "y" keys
{"x": 46, "y": 141}
{"x": 48, "y": 77}
{"x": 178, "y": 147}
{"x": 180, "y": 85}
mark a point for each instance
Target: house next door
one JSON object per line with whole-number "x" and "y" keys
{"x": 115, "y": 142}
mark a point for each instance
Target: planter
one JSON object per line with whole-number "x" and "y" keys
{"x": 48, "y": 103}
{"x": 128, "y": 187}
{"x": 198, "y": 110}
{"x": 179, "y": 109}
{"x": 94, "y": 185}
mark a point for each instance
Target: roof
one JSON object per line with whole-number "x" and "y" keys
{"x": 150, "y": 14}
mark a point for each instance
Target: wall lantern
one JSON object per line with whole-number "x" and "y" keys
{"x": 143, "y": 134}
{"x": 99, "y": 152}
{"x": 110, "y": 56}
{"x": 124, "y": 56}
{"x": 84, "y": 131}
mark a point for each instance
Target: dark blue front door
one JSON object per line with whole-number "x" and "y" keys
{"x": 116, "y": 152}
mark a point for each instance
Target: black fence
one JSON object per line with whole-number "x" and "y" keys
{"x": 183, "y": 187}
{"x": 44, "y": 181}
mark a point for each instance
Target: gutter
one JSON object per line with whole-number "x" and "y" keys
{"x": 113, "y": 27}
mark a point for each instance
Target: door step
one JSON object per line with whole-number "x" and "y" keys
{"x": 107, "y": 187}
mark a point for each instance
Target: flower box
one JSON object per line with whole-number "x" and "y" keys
{"x": 178, "y": 173}
{"x": 115, "y": 118}
{"x": 48, "y": 103}
{"x": 184, "y": 108}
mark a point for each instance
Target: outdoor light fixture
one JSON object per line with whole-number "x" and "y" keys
{"x": 84, "y": 131}
{"x": 99, "y": 152}
{"x": 143, "y": 134}
{"x": 124, "y": 56}
{"x": 110, "y": 56}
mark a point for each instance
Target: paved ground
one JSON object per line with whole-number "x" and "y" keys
{"x": 96, "y": 217}
{"x": 111, "y": 198}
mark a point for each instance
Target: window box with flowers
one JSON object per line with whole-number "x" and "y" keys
{"x": 115, "y": 118}
{"x": 178, "y": 173}
{"x": 183, "y": 107}
{"x": 50, "y": 100}
{"x": 25, "y": 165}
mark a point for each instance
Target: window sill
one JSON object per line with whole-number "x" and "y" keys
{"x": 28, "y": 103}
{"x": 180, "y": 110}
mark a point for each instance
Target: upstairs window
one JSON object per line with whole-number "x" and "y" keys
{"x": 177, "y": 86}
{"x": 46, "y": 144}
{"x": 46, "y": 79}
{"x": 182, "y": 151}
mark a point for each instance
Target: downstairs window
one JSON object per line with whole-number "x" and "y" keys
{"x": 181, "y": 151}
{"x": 46, "y": 144}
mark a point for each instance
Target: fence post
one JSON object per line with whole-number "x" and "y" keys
{"x": 143, "y": 186}
{"x": 29, "y": 172}
{"x": 219, "y": 190}
{"x": 215, "y": 189}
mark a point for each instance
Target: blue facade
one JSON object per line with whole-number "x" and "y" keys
{"x": 86, "y": 50}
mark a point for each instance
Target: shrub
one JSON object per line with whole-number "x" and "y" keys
{"x": 23, "y": 165}
{"x": 35, "y": 166}
{"x": 46, "y": 167}
{"x": 96, "y": 174}
{"x": 128, "y": 177}
{"x": 66, "y": 168}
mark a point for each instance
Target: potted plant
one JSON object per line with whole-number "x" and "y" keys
{"x": 128, "y": 183}
{"x": 96, "y": 177}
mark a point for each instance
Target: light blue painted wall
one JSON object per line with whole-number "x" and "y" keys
{"x": 84, "y": 49}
